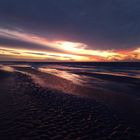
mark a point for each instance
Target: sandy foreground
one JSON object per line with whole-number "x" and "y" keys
{"x": 30, "y": 111}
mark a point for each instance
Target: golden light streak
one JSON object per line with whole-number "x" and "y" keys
{"x": 28, "y": 54}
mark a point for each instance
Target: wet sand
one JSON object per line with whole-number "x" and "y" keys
{"x": 123, "y": 103}
{"x": 30, "y": 111}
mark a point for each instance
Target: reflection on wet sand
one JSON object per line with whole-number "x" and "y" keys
{"x": 77, "y": 79}
{"x": 7, "y": 68}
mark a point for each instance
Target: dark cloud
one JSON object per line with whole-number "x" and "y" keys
{"x": 36, "y": 53}
{"x": 19, "y": 44}
{"x": 107, "y": 23}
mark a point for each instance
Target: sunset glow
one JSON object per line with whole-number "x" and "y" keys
{"x": 52, "y": 50}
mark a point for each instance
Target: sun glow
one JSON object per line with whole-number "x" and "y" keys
{"x": 83, "y": 49}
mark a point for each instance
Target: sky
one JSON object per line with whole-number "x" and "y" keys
{"x": 70, "y": 30}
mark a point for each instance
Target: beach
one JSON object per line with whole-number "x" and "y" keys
{"x": 37, "y": 104}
